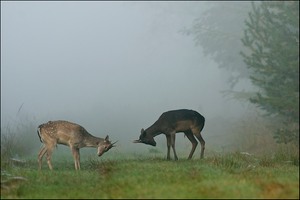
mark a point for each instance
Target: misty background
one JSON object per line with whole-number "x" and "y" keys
{"x": 112, "y": 67}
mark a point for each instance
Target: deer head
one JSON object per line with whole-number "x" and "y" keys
{"x": 145, "y": 138}
{"x": 105, "y": 146}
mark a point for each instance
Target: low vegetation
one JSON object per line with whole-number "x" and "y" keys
{"x": 231, "y": 175}
{"x": 121, "y": 174}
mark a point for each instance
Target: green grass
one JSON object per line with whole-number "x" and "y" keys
{"x": 232, "y": 175}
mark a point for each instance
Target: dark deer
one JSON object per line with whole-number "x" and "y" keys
{"x": 169, "y": 123}
{"x": 69, "y": 134}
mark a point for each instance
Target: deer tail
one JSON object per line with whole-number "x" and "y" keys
{"x": 39, "y": 134}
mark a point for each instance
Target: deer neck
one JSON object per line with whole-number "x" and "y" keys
{"x": 92, "y": 141}
{"x": 153, "y": 130}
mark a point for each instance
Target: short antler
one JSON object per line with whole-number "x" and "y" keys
{"x": 114, "y": 143}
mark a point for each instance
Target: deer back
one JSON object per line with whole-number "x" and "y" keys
{"x": 180, "y": 120}
{"x": 63, "y": 132}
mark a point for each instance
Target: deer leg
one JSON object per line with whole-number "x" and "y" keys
{"x": 78, "y": 160}
{"x": 168, "y": 146}
{"x": 76, "y": 155}
{"x": 194, "y": 142}
{"x": 49, "y": 155}
{"x": 173, "y": 145}
{"x": 202, "y": 142}
{"x": 40, "y": 156}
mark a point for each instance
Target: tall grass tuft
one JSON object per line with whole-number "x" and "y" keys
{"x": 284, "y": 154}
{"x": 233, "y": 162}
{"x": 18, "y": 140}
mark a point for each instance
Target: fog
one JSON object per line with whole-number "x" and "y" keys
{"x": 112, "y": 67}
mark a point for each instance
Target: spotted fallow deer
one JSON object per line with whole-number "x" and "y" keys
{"x": 69, "y": 134}
{"x": 171, "y": 122}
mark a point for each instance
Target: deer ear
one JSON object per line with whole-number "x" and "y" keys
{"x": 142, "y": 131}
{"x": 106, "y": 138}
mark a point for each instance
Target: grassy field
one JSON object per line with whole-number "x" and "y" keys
{"x": 271, "y": 171}
{"x": 230, "y": 175}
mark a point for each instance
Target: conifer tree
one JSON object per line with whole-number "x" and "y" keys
{"x": 271, "y": 41}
